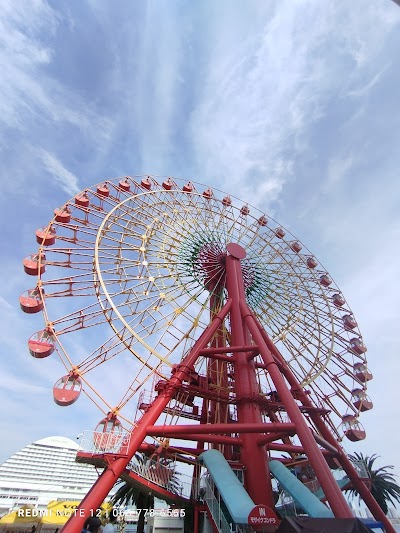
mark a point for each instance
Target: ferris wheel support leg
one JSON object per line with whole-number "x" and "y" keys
{"x": 347, "y": 465}
{"x": 100, "y": 489}
{"x": 330, "y": 487}
{"x": 257, "y": 479}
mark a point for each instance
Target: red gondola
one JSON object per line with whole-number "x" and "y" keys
{"x": 362, "y": 373}
{"x": 41, "y": 344}
{"x": 296, "y": 246}
{"x": 108, "y": 433}
{"x": 124, "y": 184}
{"x": 188, "y": 187}
{"x": 168, "y": 184}
{"x": 263, "y": 221}
{"x": 208, "y": 194}
{"x": 360, "y": 400}
{"x": 352, "y": 428}
{"x": 31, "y": 301}
{"x": 245, "y": 210}
{"x": 67, "y": 390}
{"x": 357, "y": 346}
{"x": 31, "y": 264}
{"x": 226, "y": 201}
{"x": 325, "y": 280}
{"x": 63, "y": 215}
{"x": 338, "y": 300}
{"x": 146, "y": 183}
{"x": 46, "y": 236}
{"x": 280, "y": 233}
{"x": 349, "y": 322}
{"x": 312, "y": 262}
{"x": 103, "y": 190}
{"x": 82, "y": 200}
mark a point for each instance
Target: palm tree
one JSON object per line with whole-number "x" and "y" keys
{"x": 384, "y": 487}
{"x": 129, "y": 493}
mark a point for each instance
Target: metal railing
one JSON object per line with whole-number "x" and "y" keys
{"x": 163, "y": 475}
{"x": 214, "y": 507}
{"x": 98, "y": 443}
{"x": 286, "y": 504}
{"x": 159, "y": 473}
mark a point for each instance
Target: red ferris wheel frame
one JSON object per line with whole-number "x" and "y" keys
{"x": 256, "y": 437}
{"x": 233, "y": 346}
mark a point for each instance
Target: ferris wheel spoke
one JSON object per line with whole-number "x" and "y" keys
{"x": 72, "y": 252}
{"x": 82, "y": 318}
{"x": 71, "y": 231}
{"x": 102, "y": 354}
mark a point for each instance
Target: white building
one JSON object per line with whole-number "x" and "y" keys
{"x": 43, "y": 471}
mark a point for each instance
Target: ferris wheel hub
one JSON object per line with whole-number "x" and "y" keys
{"x": 235, "y": 250}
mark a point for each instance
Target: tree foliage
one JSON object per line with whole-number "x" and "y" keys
{"x": 128, "y": 494}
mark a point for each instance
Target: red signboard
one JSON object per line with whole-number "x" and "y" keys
{"x": 262, "y": 516}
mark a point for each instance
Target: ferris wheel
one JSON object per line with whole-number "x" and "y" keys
{"x": 128, "y": 273}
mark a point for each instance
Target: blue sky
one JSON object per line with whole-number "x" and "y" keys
{"x": 292, "y": 106}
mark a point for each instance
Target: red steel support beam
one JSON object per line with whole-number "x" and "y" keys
{"x": 292, "y": 448}
{"x": 330, "y": 487}
{"x": 272, "y": 437}
{"x": 196, "y": 518}
{"x": 212, "y": 429}
{"x": 257, "y": 481}
{"x": 228, "y": 349}
{"x": 212, "y": 439}
{"x": 218, "y": 356}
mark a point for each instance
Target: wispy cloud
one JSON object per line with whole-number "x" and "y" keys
{"x": 68, "y": 182}
{"x": 263, "y": 95}
{"x": 258, "y": 97}
{"x": 29, "y": 95}
{"x": 361, "y": 91}
{"x": 22, "y": 53}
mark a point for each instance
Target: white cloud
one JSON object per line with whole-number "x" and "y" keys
{"x": 25, "y": 387}
{"x": 22, "y": 52}
{"x": 68, "y": 182}
{"x": 263, "y": 94}
{"x": 259, "y": 96}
